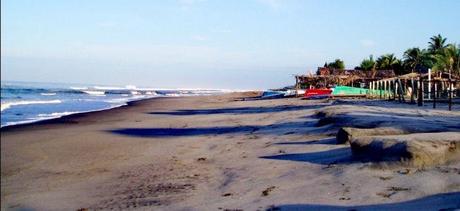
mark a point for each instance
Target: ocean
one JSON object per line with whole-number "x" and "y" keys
{"x": 25, "y": 102}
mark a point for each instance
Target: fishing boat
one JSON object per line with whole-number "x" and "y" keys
{"x": 317, "y": 93}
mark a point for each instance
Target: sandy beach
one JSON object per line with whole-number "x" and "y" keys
{"x": 221, "y": 153}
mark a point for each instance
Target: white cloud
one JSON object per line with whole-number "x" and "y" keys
{"x": 367, "y": 43}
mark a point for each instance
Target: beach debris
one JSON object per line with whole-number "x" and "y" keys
{"x": 82, "y": 209}
{"x": 404, "y": 171}
{"x": 281, "y": 151}
{"x": 448, "y": 169}
{"x": 267, "y": 191}
{"x": 394, "y": 188}
{"x": 227, "y": 194}
{"x": 253, "y": 136}
{"x": 385, "y": 178}
{"x": 344, "y": 198}
{"x": 386, "y": 194}
{"x": 201, "y": 159}
{"x": 390, "y": 191}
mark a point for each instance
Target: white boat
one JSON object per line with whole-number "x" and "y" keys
{"x": 300, "y": 92}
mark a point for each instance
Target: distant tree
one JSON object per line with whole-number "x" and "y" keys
{"x": 413, "y": 58}
{"x": 367, "y": 64}
{"x": 390, "y": 62}
{"x": 325, "y": 64}
{"x": 447, "y": 59}
{"x": 437, "y": 44}
{"x": 386, "y": 62}
{"x": 337, "y": 64}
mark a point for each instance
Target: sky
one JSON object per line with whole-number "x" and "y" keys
{"x": 250, "y": 44}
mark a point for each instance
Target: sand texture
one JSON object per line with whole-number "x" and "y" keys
{"x": 225, "y": 153}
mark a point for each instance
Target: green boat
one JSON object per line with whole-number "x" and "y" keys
{"x": 348, "y": 90}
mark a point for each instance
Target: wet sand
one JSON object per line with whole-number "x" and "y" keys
{"x": 210, "y": 153}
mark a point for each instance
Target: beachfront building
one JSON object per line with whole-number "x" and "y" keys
{"x": 328, "y": 77}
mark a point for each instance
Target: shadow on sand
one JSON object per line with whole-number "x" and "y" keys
{"x": 334, "y": 156}
{"x": 275, "y": 129}
{"x": 326, "y": 141}
{"x": 172, "y": 132}
{"x": 443, "y": 201}
{"x": 240, "y": 110}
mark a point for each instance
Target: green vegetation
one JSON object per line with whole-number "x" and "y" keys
{"x": 337, "y": 64}
{"x": 439, "y": 56}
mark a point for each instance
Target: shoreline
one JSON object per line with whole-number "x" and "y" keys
{"x": 69, "y": 117}
{"x": 216, "y": 152}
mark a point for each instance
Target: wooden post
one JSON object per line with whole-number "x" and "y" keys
{"x": 370, "y": 89}
{"x": 434, "y": 95}
{"x": 420, "y": 91}
{"x": 395, "y": 88}
{"x": 429, "y": 83}
{"x": 384, "y": 89}
{"x": 380, "y": 89}
{"x": 390, "y": 86}
{"x": 450, "y": 94}
{"x": 400, "y": 90}
{"x": 412, "y": 94}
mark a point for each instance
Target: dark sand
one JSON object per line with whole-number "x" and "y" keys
{"x": 209, "y": 153}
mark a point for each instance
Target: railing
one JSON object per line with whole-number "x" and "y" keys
{"x": 416, "y": 90}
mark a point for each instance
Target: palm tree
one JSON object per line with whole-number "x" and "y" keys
{"x": 436, "y": 44}
{"x": 448, "y": 59}
{"x": 413, "y": 58}
{"x": 368, "y": 64}
{"x": 387, "y": 62}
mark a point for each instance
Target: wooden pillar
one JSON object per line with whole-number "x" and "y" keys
{"x": 384, "y": 89}
{"x": 429, "y": 83}
{"x": 400, "y": 91}
{"x": 395, "y": 88}
{"x": 434, "y": 94}
{"x": 451, "y": 86}
{"x": 420, "y": 91}
{"x": 412, "y": 93}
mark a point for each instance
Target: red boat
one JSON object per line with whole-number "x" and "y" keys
{"x": 317, "y": 93}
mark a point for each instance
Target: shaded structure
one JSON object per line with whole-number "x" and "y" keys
{"x": 328, "y": 77}
{"x": 420, "y": 88}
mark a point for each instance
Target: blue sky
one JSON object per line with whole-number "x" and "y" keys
{"x": 251, "y": 44}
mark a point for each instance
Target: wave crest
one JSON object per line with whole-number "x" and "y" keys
{"x": 8, "y": 105}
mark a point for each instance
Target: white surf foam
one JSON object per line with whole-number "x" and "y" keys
{"x": 94, "y": 92}
{"x": 8, "y": 105}
{"x": 78, "y": 88}
{"x": 48, "y": 94}
{"x": 56, "y": 114}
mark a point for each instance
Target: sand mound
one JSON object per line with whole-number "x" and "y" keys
{"x": 418, "y": 149}
{"x": 345, "y": 134}
{"x": 398, "y": 118}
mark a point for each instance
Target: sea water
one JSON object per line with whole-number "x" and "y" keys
{"x": 24, "y": 102}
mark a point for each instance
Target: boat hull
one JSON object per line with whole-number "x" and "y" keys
{"x": 317, "y": 93}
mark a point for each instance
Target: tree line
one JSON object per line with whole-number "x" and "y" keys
{"x": 439, "y": 56}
